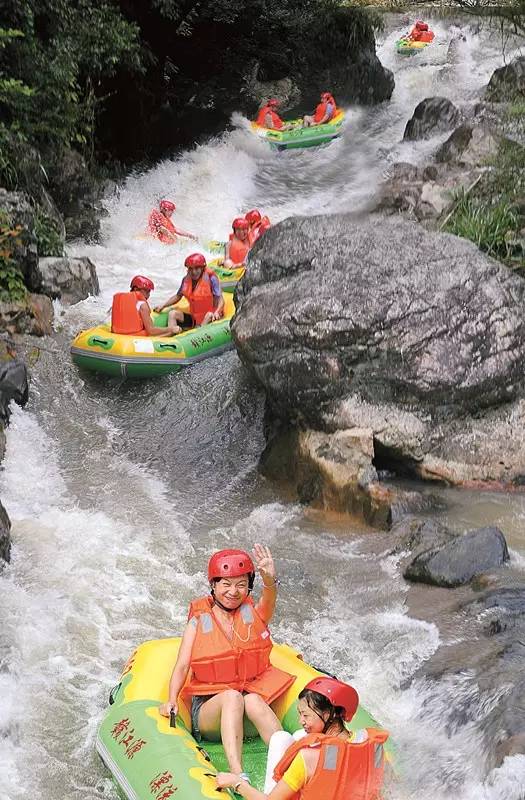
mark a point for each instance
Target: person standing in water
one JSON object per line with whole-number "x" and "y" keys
{"x": 227, "y": 637}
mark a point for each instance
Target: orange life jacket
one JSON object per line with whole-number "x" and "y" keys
{"x": 261, "y": 118}
{"x": 200, "y": 297}
{"x": 156, "y": 222}
{"x": 238, "y": 249}
{"x": 321, "y": 109}
{"x": 125, "y": 316}
{"x": 242, "y": 663}
{"x": 344, "y": 770}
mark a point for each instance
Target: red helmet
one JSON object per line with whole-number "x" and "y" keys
{"x": 338, "y": 693}
{"x": 265, "y": 224}
{"x": 421, "y": 26}
{"x": 195, "y": 260}
{"x": 140, "y": 282}
{"x": 253, "y": 216}
{"x": 231, "y": 564}
{"x": 166, "y": 205}
{"x": 240, "y": 222}
{"x": 273, "y": 102}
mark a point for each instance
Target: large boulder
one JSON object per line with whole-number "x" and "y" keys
{"x": 5, "y": 535}
{"x": 431, "y": 116}
{"x": 508, "y": 83}
{"x": 70, "y": 279}
{"x": 457, "y": 561}
{"x": 380, "y": 325}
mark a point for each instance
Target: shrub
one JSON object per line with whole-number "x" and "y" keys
{"x": 490, "y": 226}
{"x": 48, "y": 236}
{"x": 12, "y": 286}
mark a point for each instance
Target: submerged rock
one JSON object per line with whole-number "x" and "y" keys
{"x": 70, "y": 279}
{"x": 431, "y": 116}
{"x": 457, "y": 561}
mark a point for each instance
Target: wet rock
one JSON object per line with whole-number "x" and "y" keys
{"x": 419, "y": 535}
{"x": 377, "y": 328}
{"x": 34, "y": 315}
{"x": 5, "y": 535}
{"x": 431, "y": 116}
{"x": 20, "y": 215}
{"x": 508, "y": 83}
{"x": 330, "y": 472}
{"x": 456, "y": 562}
{"x": 70, "y": 279}
{"x": 14, "y": 384}
{"x": 470, "y": 144}
{"x": 76, "y": 192}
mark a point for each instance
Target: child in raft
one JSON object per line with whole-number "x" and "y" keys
{"x": 227, "y": 636}
{"x": 323, "y": 761}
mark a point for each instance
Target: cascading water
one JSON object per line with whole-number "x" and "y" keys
{"x": 119, "y": 492}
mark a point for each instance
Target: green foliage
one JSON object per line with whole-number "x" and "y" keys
{"x": 12, "y": 286}
{"x": 52, "y": 62}
{"x": 490, "y": 226}
{"x": 48, "y": 237}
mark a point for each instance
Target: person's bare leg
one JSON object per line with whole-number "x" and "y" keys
{"x": 222, "y": 716}
{"x": 262, "y": 716}
{"x": 174, "y": 317}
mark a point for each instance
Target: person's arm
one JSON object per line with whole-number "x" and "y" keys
{"x": 227, "y": 260}
{"x": 266, "y": 569}
{"x": 180, "y": 232}
{"x": 180, "y": 670}
{"x": 227, "y": 780}
{"x": 218, "y": 299}
{"x": 171, "y": 302}
{"x": 151, "y": 329}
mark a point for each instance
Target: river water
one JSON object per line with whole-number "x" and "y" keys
{"x": 118, "y": 492}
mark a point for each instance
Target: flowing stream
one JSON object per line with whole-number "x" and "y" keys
{"x": 118, "y": 492}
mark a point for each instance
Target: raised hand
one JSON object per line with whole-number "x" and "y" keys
{"x": 264, "y": 563}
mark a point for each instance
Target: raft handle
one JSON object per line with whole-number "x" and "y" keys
{"x": 173, "y": 719}
{"x": 204, "y": 753}
{"x": 113, "y": 692}
{"x": 160, "y": 346}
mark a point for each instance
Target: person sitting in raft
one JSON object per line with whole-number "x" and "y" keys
{"x": 238, "y": 246}
{"x": 130, "y": 311}
{"x": 269, "y": 118}
{"x": 420, "y": 33}
{"x": 258, "y": 224}
{"x": 325, "y": 111}
{"x": 202, "y": 290}
{"x": 161, "y": 227}
{"x": 326, "y": 762}
{"x": 227, "y": 646}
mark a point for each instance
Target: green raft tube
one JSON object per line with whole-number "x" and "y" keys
{"x": 298, "y": 136}
{"x": 150, "y": 760}
{"x": 131, "y": 356}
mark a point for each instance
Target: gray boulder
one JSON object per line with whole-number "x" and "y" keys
{"x": 508, "y": 83}
{"x": 431, "y": 116}
{"x": 70, "y": 279}
{"x": 5, "y": 535}
{"x": 456, "y": 562}
{"x": 331, "y": 308}
{"x": 471, "y": 144}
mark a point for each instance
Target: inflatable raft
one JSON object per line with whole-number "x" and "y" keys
{"x": 150, "y": 760}
{"x": 298, "y": 136}
{"x": 229, "y": 278}
{"x": 406, "y": 47}
{"x": 100, "y": 350}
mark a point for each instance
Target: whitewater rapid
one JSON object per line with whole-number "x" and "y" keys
{"x": 119, "y": 492}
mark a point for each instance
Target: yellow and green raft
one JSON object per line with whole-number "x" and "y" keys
{"x": 149, "y": 760}
{"x": 299, "y": 136}
{"x": 100, "y": 350}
